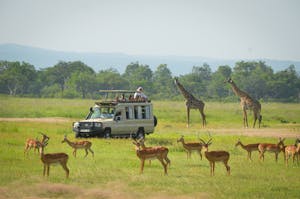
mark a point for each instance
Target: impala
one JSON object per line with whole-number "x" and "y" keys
{"x": 292, "y": 150}
{"x": 53, "y": 158}
{"x": 249, "y": 147}
{"x": 215, "y": 156}
{"x": 149, "y": 153}
{"x": 86, "y": 145}
{"x": 35, "y": 143}
{"x": 274, "y": 148}
{"x": 191, "y": 146}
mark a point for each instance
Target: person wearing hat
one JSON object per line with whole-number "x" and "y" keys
{"x": 139, "y": 94}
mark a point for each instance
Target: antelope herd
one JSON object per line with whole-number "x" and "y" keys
{"x": 161, "y": 153}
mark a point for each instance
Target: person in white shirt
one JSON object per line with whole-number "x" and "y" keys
{"x": 139, "y": 94}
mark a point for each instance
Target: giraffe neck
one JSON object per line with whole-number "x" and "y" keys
{"x": 184, "y": 92}
{"x": 237, "y": 91}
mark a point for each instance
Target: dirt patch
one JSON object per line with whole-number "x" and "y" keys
{"x": 291, "y": 132}
{"x": 111, "y": 190}
{"x": 43, "y": 119}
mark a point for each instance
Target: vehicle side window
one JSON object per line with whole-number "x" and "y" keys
{"x": 129, "y": 113}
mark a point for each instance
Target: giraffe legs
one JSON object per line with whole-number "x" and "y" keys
{"x": 245, "y": 118}
{"x": 188, "y": 116}
{"x": 203, "y": 117}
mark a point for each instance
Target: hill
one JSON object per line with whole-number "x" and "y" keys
{"x": 179, "y": 65}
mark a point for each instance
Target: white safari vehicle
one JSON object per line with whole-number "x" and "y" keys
{"x": 120, "y": 117}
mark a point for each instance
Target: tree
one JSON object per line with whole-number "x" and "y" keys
{"x": 139, "y": 75}
{"x": 16, "y": 77}
{"x": 216, "y": 87}
{"x": 163, "y": 82}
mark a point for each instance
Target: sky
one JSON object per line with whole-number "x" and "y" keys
{"x": 225, "y": 29}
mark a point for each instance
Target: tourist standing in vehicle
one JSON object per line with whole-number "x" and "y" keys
{"x": 139, "y": 94}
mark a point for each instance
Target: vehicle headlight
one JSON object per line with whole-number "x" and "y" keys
{"x": 98, "y": 124}
{"x": 76, "y": 125}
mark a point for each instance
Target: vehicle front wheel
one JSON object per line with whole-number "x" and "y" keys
{"x": 140, "y": 134}
{"x": 107, "y": 133}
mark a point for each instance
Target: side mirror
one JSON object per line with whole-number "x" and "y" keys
{"x": 91, "y": 109}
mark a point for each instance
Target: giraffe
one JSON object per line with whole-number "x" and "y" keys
{"x": 247, "y": 103}
{"x": 191, "y": 103}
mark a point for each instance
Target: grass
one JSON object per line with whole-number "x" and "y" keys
{"x": 114, "y": 171}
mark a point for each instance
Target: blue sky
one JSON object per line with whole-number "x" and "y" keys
{"x": 230, "y": 29}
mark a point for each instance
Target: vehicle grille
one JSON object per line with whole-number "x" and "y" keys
{"x": 86, "y": 125}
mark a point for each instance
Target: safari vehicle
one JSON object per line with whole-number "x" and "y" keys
{"x": 119, "y": 117}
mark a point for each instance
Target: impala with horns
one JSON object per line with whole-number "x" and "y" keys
{"x": 35, "y": 143}
{"x": 274, "y": 148}
{"x": 149, "y": 153}
{"x": 292, "y": 150}
{"x": 53, "y": 158}
{"x": 86, "y": 145}
{"x": 249, "y": 147}
{"x": 215, "y": 156}
{"x": 190, "y": 146}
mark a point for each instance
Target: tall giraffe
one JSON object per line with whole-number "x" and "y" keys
{"x": 247, "y": 103}
{"x": 191, "y": 103}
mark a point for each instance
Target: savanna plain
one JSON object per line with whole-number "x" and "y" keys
{"x": 114, "y": 170}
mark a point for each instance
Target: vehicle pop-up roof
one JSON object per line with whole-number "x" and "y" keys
{"x": 112, "y": 97}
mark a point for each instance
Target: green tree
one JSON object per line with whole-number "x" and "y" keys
{"x": 17, "y": 77}
{"x": 216, "y": 88}
{"x": 163, "y": 82}
{"x": 139, "y": 75}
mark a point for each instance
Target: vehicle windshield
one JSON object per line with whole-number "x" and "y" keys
{"x": 101, "y": 112}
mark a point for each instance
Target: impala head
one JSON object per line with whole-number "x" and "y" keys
{"x": 297, "y": 141}
{"x": 206, "y": 144}
{"x": 181, "y": 139}
{"x": 137, "y": 144}
{"x": 65, "y": 138}
{"x": 280, "y": 143}
{"x": 238, "y": 143}
{"x": 45, "y": 138}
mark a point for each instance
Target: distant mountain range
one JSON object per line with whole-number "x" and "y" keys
{"x": 179, "y": 65}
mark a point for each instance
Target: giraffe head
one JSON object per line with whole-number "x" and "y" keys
{"x": 229, "y": 80}
{"x": 176, "y": 80}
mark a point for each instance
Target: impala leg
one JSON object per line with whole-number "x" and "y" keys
{"x": 199, "y": 151}
{"x": 64, "y": 166}
{"x": 86, "y": 152}
{"x": 142, "y": 166}
{"x": 91, "y": 151}
{"x": 48, "y": 169}
{"x": 74, "y": 153}
{"x": 168, "y": 161}
{"x": 164, "y": 165}
{"x": 249, "y": 155}
{"x": 227, "y": 167}
{"x": 276, "y": 157}
{"x": 44, "y": 172}
{"x": 213, "y": 169}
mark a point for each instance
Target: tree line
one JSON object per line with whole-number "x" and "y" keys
{"x": 77, "y": 80}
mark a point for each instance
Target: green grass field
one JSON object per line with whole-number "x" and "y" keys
{"x": 114, "y": 171}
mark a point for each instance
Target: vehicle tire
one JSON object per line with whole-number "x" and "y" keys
{"x": 140, "y": 134}
{"x": 107, "y": 133}
{"x": 155, "y": 120}
{"x": 77, "y": 135}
